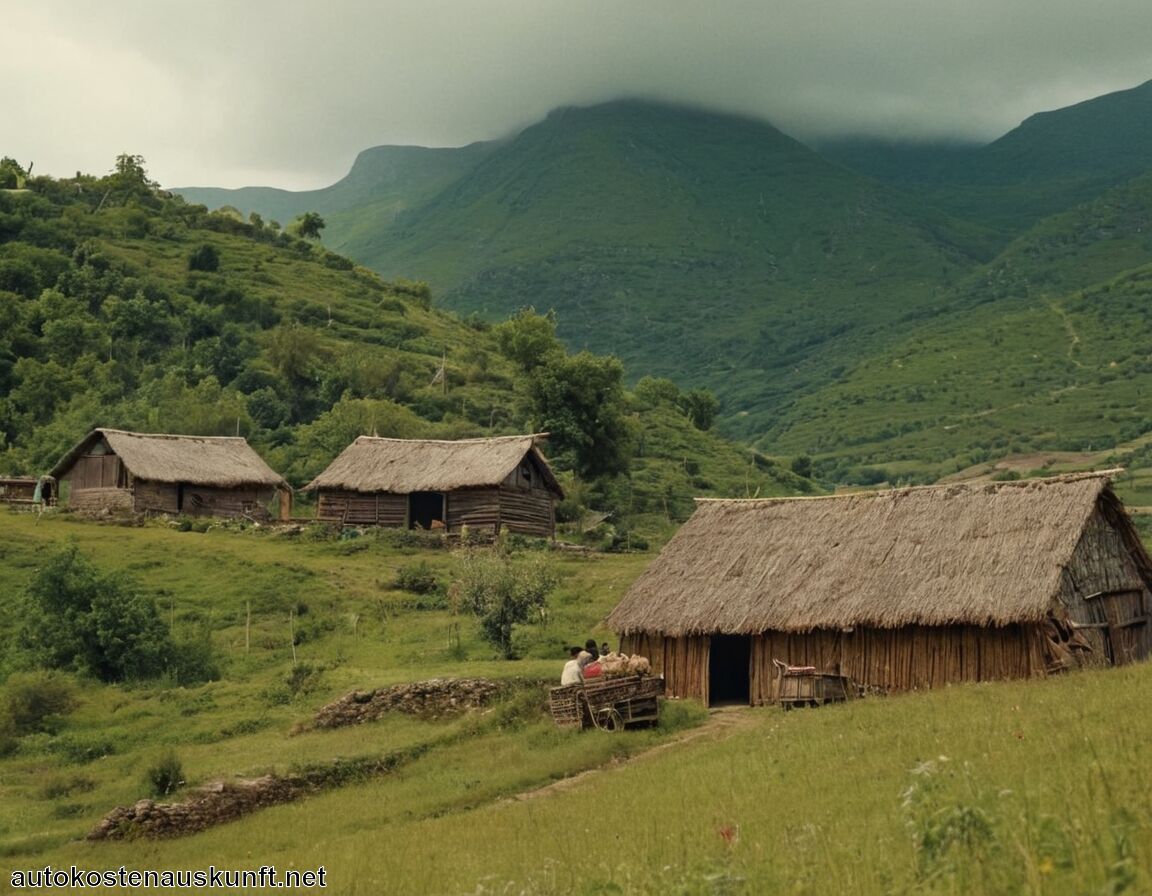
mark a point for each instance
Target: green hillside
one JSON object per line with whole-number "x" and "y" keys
{"x": 710, "y": 246}
{"x": 122, "y": 306}
{"x": 1045, "y": 349}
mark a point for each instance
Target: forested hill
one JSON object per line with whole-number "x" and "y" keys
{"x": 797, "y": 284}
{"x": 124, "y": 306}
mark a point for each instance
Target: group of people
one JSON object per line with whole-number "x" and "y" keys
{"x": 583, "y": 662}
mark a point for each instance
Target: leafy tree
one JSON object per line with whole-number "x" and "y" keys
{"x": 579, "y": 399}
{"x": 11, "y": 174}
{"x": 802, "y": 466}
{"x": 307, "y": 226}
{"x": 91, "y": 622}
{"x": 699, "y": 406}
{"x": 503, "y": 593}
{"x": 130, "y": 179}
{"x": 529, "y": 339}
{"x": 204, "y": 257}
{"x": 654, "y": 390}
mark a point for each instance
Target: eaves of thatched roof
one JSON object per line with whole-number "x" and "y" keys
{"x": 988, "y": 554}
{"x": 221, "y": 461}
{"x": 373, "y": 464}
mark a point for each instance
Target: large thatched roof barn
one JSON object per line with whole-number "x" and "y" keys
{"x": 145, "y": 473}
{"x": 500, "y": 484}
{"x": 902, "y": 589}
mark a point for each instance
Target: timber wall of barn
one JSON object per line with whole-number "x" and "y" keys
{"x": 527, "y": 511}
{"x": 202, "y": 500}
{"x": 909, "y": 658}
{"x": 362, "y": 509}
{"x": 1105, "y": 596}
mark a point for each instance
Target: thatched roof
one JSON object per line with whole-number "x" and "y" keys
{"x": 372, "y": 464}
{"x": 223, "y": 461}
{"x": 989, "y": 554}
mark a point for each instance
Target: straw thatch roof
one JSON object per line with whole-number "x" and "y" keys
{"x": 989, "y": 554}
{"x": 373, "y": 464}
{"x": 223, "y": 461}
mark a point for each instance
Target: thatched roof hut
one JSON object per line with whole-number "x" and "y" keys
{"x": 110, "y": 469}
{"x": 494, "y": 483}
{"x": 882, "y": 584}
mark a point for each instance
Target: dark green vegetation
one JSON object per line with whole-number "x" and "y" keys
{"x": 896, "y": 311}
{"x": 122, "y": 306}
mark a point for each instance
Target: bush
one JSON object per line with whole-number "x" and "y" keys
{"x": 96, "y": 624}
{"x": 419, "y": 578}
{"x": 204, "y": 258}
{"x": 503, "y": 593}
{"x": 165, "y": 777}
{"x": 35, "y": 702}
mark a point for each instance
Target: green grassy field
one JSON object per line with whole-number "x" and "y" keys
{"x": 1025, "y": 787}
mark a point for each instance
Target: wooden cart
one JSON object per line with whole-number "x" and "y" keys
{"x": 610, "y": 704}
{"x": 804, "y": 686}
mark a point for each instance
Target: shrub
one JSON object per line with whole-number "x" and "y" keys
{"x": 204, "y": 258}
{"x": 34, "y": 702}
{"x": 503, "y": 593}
{"x": 166, "y": 776}
{"x": 98, "y": 624}
{"x": 419, "y": 578}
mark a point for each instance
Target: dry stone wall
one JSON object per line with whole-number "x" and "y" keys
{"x": 432, "y": 699}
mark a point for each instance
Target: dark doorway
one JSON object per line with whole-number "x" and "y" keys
{"x": 729, "y": 670}
{"x": 423, "y": 508}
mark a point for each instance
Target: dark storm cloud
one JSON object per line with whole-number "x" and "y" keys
{"x": 286, "y": 93}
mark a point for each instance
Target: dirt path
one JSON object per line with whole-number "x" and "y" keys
{"x": 721, "y": 723}
{"x": 1073, "y": 336}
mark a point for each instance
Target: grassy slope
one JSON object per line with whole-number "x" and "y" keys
{"x": 1020, "y": 787}
{"x": 1044, "y": 350}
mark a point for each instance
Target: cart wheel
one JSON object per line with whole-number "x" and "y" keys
{"x": 608, "y": 719}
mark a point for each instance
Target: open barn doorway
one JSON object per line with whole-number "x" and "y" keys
{"x": 424, "y": 508}
{"x": 730, "y": 670}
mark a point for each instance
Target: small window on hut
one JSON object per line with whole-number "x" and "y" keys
{"x": 526, "y": 475}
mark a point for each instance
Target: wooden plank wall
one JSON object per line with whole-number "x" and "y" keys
{"x": 360, "y": 509}
{"x": 476, "y": 508}
{"x": 910, "y": 658}
{"x": 1104, "y": 592}
{"x": 682, "y": 661}
{"x": 528, "y": 511}
{"x": 97, "y": 471}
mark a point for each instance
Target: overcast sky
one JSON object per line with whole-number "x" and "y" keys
{"x": 253, "y": 92}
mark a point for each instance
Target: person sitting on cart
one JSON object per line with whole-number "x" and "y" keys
{"x": 572, "y": 673}
{"x": 589, "y": 653}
